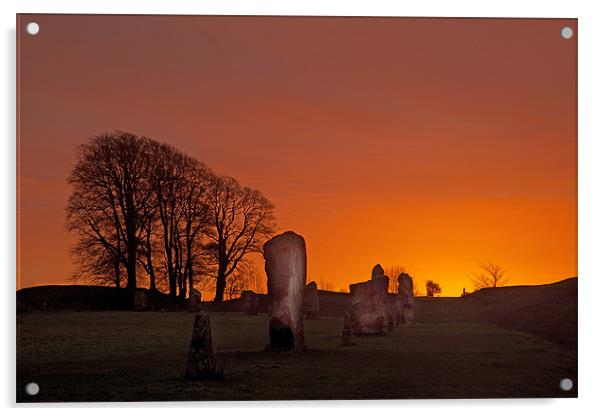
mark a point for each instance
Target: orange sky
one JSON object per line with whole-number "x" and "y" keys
{"x": 429, "y": 143}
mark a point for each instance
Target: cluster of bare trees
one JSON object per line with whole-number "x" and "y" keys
{"x": 325, "y": 285}
{"x": 144, "y": 210}
{"x": 393, "y": 272}
{"x": 246, "y": 277}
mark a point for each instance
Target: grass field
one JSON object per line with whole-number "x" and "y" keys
{"x": 135, "y": 356}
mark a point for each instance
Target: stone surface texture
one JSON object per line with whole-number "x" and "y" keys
{"x": 286, "y": 267}
{"x": 406, "y": 297}
{"x": 311, "y": 301}
{"x": 368, "y": 310}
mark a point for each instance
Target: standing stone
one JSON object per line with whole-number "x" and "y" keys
{"x": 311, "y": 301}
{"x": 392, "y": 318}
{"x": 201, "y": 364}
{"x": 406, "y": 297}
{"x": 194, "y": 301}
{"x": 250, "y": 302}
{"x": 140, "y": 300}
{"x": 368, "y": 311}
{"x": 285, "y": 266}
{"x": 399, "y": 310}
{"x": 378, "y": 271}
{"x": 346, "y": 337}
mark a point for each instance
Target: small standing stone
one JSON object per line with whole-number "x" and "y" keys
{"x": 392, "y": 319}
{"x": 249, "y": 302}
{"x": 201, "y": 364}
{"x": 140, "y": 300}
{"x": 194, "y": 301}
{"x": 285, "y": 265}
{"x": 406, "y": 297}
{"x": 347, "y": 335}
{"x": 311, "y": 301}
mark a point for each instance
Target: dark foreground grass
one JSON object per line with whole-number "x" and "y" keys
{"x": 129, "y": 356}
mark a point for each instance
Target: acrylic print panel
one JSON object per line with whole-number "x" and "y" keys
{"x": 260, "y": 208}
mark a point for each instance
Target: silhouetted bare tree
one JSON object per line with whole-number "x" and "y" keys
{"x": 149, "y": 245}
{"x": 325, "y": 285}
{"x": 241, "y": 220}
{"x": 165, "y": 177}
{"x": 96, "y": 263}
{"x": 490, "y": 275}
{"x": 246, "y": 277}
{"x": 179, "y": 186}
{"x": 195, "y": 220}
{"x": 171, "y": 179}
{"x": 110, "y": 193}
{"x": 432, "y": 288}
{"x": 258, "y": 281}
{"x": 236, "y": 283}
{"x": 393, "y": 272}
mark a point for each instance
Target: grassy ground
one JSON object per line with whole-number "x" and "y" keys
{"x": 135, "y": 356}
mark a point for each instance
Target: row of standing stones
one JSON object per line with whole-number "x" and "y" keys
{"x": 292, "y": 301}
{"x": 372, "y": 309}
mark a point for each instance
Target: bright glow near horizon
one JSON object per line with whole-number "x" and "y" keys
{"x": 428, "y": 143}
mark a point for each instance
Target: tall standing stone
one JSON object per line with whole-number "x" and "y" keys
{"x": 406, "y": 297}
{"x": 250, "y": 302}
{"x": 311, "y": 301}
{"x": 285, "y": 266}
{"x": 201, "y": 364}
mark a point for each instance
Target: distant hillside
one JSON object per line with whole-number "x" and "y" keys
{"x": 80, "y": 297}
{"x": 546, "y": 310}
{"x": 83, "y": 297}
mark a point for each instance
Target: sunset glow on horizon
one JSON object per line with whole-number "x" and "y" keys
{"x": 425, "y": 143}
